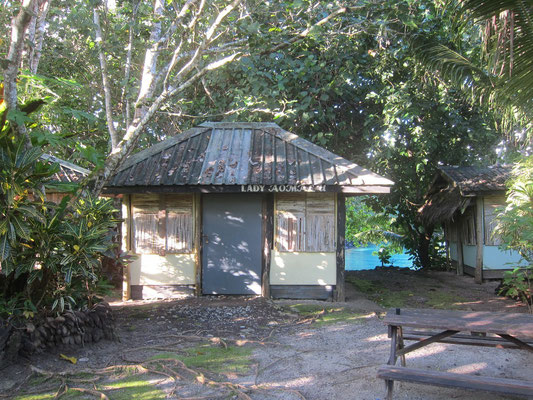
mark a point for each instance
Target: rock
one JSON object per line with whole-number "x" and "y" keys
{"x": 30, "y": 328}
{"x": 97, "y": 335}
{"x": 43, "y": 332}
{"x": 13, "y": 346}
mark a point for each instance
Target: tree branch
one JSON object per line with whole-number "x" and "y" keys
{"x": 150, "y": 60}
{"x": 105, "y": 81}
{"x": 306, "y": 32}
{"x": 127, "y": 68}
{"x": 40, "y": 28}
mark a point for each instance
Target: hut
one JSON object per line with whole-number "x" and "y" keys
{"x": 237, "y": 209}
{"x": 465, "y": 201}
{"x": 67, "y": 174}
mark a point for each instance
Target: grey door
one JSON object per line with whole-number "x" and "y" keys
{"x": 231, "y": 257}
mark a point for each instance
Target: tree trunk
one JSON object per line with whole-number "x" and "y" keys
{"x": 424, "y": 241}
{"x": 19, "y": 26}
{"x": 40, "y": 28}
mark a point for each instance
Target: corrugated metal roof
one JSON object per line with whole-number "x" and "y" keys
{"x": 219, "y": 153}
{"x": 68, "y": 172}
{"x": 473, "y": 180}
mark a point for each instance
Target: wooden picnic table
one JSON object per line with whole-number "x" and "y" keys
{"x": 478, "y": 328}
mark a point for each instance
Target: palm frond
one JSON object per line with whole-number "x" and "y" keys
{"x": 503, "y": 80}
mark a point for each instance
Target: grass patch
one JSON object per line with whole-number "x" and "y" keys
{"x": 215, "y": 359}
{"x": 325, "y": 315}
{"x": 363, "y": 285}
{"x": 162, "y": 356}
{"x": 43, "y": 396}
{"x": 70, "y": 394}
{"x": 339, "y": 316}
{"x": 445, "y": 300}
{"x": 219, "y": 359}
{"x": 380, "y": 294}
{"x": 390, "y": 299}
{"x": 133, "y": 387}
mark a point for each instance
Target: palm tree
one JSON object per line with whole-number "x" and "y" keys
{"x": 502, "y": 78}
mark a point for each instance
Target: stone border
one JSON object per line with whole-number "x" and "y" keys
{"x": 72, "y": 328}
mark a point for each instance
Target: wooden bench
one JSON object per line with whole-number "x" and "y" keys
{"x": 392, "y": 373}
{"x": 472, "y": 340}
{"x": 478, "y": 328}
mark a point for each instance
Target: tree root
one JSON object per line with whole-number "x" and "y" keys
{"x": 170, "y": 369}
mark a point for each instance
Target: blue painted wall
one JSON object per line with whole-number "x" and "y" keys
{"x": 493, "y": 257}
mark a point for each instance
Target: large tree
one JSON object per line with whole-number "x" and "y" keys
{"x": 344, "y": 77}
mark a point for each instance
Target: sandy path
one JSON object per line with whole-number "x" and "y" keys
{"x": 340, "y": 361}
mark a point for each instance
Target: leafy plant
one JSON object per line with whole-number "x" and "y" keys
{"x": 518, "y": 284}
{"x": 49, "y": 253}
{"x": 384, "y": 255}
{"x": 515, "y": 228}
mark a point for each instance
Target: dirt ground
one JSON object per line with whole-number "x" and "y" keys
{"x": 252, "y": 348}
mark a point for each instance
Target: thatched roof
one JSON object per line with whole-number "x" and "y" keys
{"x": 472, "y": 181}
{"x": 454, "y": 187}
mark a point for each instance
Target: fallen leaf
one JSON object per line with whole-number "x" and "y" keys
{"x": 73, "y": 360}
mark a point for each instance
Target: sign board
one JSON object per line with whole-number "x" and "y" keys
{"x": 282, "y": 188}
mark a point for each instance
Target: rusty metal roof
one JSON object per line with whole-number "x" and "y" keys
{"x": 475, "y": 180}
{"x": 68, "y": 172}
{"x": 220, "y": 153}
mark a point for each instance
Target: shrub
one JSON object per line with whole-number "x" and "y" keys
{"x": 49, "y": 253}
{"x": 515, "y": 227}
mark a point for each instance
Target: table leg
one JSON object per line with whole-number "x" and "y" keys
{"x": 393, "y": 345}
{"x": 389, "y": 383}
{"x": 401, "y": 345}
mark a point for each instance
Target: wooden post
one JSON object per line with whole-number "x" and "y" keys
{"x": 126, "y": 245}
{"x": 197, "y": 226}
{"x": 341, "y": 225}
{"x": 460, "y": 263}
{"x": 478, "y": 276}
{"x": 162, "y": 226}
{"x": 268, "y": 239}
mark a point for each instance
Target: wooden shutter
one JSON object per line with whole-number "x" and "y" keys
{"x": 162, "y": 224}
{"x": 146, "y": 238}
{"x": 320, "y": 222}
{"x": 305, "y": 222}
{"x": 290, "y": 233}
{"x": 179, "y": 226}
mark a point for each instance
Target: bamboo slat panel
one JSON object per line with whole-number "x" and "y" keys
{"x": 176, "y": 236}
{"x": 305, "y": 222}
{"x": 179, "y": 232}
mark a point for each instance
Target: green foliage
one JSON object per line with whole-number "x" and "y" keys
{"x": 384, "y": 255}
{"x": 355, "y": 86}
{"x": 489, "y": 58}
{"x": 361, "y": 92}
{"x": 518, "y": 284}
{"x": 515, "y": 228}
{"x": 50, "y": 253}
{"x": 366, "y": 226}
